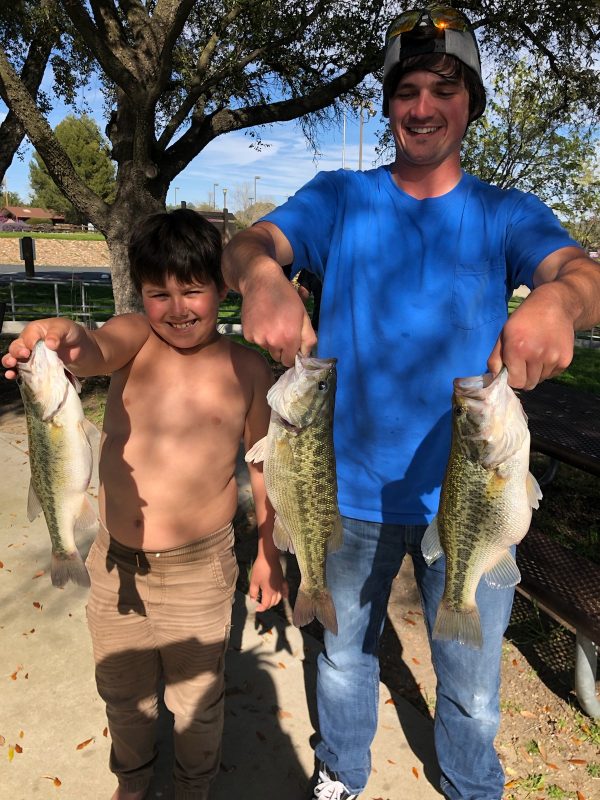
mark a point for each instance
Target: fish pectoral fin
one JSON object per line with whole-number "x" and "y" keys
{"x": 34, "y": 507}
{"x": 504, "y": 573}
{"x": 87, "y": 517}
{"x": 257, "y": 452}
{"x": 337, "y": 536}
{"x": 534, "y": 493}
{"x": 91, "y": 432}
{"x": 282, "y": 539}
{"x": 431, "y": 546}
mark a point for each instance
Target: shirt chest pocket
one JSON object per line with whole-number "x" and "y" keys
{"x": 478, "y": 294}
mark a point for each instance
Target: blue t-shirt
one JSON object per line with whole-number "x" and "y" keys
{"x": 414, "y": 295}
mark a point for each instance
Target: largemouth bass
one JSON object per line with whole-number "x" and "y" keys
{"x": 300, "y": 479}
{"x": 60, "y": 456}
{"x": 486, "y": 501}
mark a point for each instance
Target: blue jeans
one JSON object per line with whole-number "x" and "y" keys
{"x": 359, "y": 576}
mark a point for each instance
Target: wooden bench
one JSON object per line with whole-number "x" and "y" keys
{"x": 565, "y": 426}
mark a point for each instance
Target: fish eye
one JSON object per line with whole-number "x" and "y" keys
{"x": 322, "y": 385}
{"x": 459, "y": 411}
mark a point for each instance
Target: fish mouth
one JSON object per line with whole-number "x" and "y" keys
{"x": 478, "y": 386}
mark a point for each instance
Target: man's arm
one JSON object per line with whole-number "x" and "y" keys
{"x": 83, "y": 352}
{"x": 273, "y": 315}
{"x": 537, "y": 340}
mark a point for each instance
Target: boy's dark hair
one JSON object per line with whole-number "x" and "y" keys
{"x": 445, "y": 66}
{"x": 179, "y": 243}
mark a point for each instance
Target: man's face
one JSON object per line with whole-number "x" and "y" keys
{"x": 428, "y": 119}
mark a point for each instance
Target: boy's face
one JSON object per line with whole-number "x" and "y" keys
{"x": 428, "y": 119}
{"x": 183, "y": 314}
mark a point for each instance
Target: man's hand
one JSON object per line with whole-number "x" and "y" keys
{"x": 274, "y": 317}
{"x": 536, "y": 342}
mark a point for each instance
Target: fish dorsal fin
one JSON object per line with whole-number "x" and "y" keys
{"x": 281, "y": 537}
{"x": 430, "y": 545}
{"x": 257, "y": 452}
{"x": 504, "y": 573}
{"x": 34, "y": 507}
{"x": 534, "y": 493}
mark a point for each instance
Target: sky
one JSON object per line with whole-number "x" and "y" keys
{"x": 281, "y": 166}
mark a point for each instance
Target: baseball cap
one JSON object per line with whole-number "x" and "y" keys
{"x": 432, "y": 29}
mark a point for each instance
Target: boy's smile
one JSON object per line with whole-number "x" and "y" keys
{"x": 183, "y": 314}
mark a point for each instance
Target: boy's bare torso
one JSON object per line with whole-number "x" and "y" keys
{"x": 172, "y": 430}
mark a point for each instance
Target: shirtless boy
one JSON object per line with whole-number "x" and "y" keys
{"x": 162, "y": 568}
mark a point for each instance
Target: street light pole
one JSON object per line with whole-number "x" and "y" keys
{"x": 176, "y": 190}
{"x": 215, "y": 195}
{"x": 256, "y": 178}
{"x": 224, "y": 198}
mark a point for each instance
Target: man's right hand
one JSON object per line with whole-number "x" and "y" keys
{"x": 274, "y": 317}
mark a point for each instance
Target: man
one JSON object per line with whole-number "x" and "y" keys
{"x": 418, "y": 261}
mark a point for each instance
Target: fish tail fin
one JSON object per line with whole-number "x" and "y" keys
{"x": 68, "y": 567}
{"x": 307, "y": 608}
{"x": 462, "y": 626}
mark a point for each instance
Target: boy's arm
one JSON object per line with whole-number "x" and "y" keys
{"x": 82, "y": 351}
{"x": 267, "y": 575}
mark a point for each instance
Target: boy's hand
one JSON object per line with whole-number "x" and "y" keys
{"x": 59, "y": 334}
{"x": 267, "y": 578}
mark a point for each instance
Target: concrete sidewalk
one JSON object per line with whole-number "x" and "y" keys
{"x": 53, "y": 725}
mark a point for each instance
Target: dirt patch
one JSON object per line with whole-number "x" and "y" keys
{"x": 58, "y": 253}
{"x": 549, "y": 749}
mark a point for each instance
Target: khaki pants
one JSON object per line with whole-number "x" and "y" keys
{"x": 163, "y": 617}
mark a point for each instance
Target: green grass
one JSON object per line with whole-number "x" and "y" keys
{"x": 36, "y": 300}
{"x": 584, "y": 371}
{"x": 84, "y": 236}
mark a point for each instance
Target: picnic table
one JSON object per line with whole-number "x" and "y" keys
{"x": 565, "y": 425}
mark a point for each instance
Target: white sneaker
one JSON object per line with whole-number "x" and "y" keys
{"x": 329, "y": 788}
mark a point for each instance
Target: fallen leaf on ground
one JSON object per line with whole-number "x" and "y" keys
{"x": 281, "y": 665}
{"x": 37, "y": 605}
{"x": 2, "y": 741}
{"x": 105, "y": 732}
{"x": 11, "y": 752}
{"x": 81, "y": 745}
{"x": 552, "y": 766}
{"x": 55, "y": 781}
{"x": 416, "y": 661}
{"x": 580, "y": 795}
{"x": 18, "y": 748}
{"x": 577, "y": 761}
{"x": 527, "y": 714}
{"x": 390, "y": 702}
{"x": 415, "y": 772}
{"x": 39, "y": 574}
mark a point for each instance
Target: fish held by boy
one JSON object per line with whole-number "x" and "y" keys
{"x": 486, "y": 501}
{"x": 300, "y": 479}
{"x": 61, "y": 460}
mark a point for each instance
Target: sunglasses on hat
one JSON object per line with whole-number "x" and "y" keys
{"x": 442, "y": 17}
